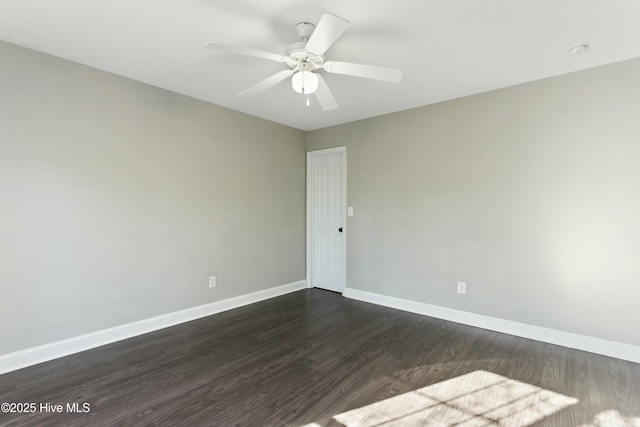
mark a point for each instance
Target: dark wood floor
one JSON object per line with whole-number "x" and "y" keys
{"x": 315, "y": 357}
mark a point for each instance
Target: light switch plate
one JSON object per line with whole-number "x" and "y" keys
{"x": 350, "y": 211}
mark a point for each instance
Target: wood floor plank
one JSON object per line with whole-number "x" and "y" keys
{"x": 314, "y": 358}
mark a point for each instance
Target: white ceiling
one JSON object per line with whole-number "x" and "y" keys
{"x": 446, "y": 48}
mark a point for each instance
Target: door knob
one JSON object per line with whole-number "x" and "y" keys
{"x": 340, "y": 229}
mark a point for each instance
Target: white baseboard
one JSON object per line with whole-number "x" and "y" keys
{"x": 552, "y": 336}
{"x": 43, "y": 353}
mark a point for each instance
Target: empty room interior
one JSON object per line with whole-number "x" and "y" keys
{"x": 304, "y": 214}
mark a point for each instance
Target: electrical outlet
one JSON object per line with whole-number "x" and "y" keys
{"x": 212, "y": 281}
{"x": 462, "y": 288}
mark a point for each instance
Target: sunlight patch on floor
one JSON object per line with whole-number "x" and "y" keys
{"x": 479, "y": 398}
{"x": 612, "y": 419}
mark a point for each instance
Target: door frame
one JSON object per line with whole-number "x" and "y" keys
{"x": 310, "y": 203}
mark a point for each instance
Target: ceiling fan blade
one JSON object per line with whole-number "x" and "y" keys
{"x": 247, "y": 51}
{"x": 367, "y": 71}
{"x": 267, "y": 83}
{"x": 327, "y": 31}
{"x": 324, "y": 95}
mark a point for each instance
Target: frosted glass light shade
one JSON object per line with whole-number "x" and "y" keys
{"x": 304, "y": 82}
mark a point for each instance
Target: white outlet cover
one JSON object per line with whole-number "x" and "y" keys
{"x": 462, "y": 288}
{"x": 212, "y": 281}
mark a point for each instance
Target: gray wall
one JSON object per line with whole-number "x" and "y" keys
{"x": 118, "y": 200}
{"x": 530, "y": 195}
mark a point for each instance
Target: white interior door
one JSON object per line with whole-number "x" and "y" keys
{"x": 326, "y": 206}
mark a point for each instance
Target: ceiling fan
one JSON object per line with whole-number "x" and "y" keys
{"x": 306, "y": 57}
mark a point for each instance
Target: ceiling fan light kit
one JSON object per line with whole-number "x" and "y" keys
{"x": 306, "y": 56}
{"x": 304, "y": 82}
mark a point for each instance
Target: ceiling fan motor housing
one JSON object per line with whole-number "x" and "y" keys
{"x": 298, "y": 57}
